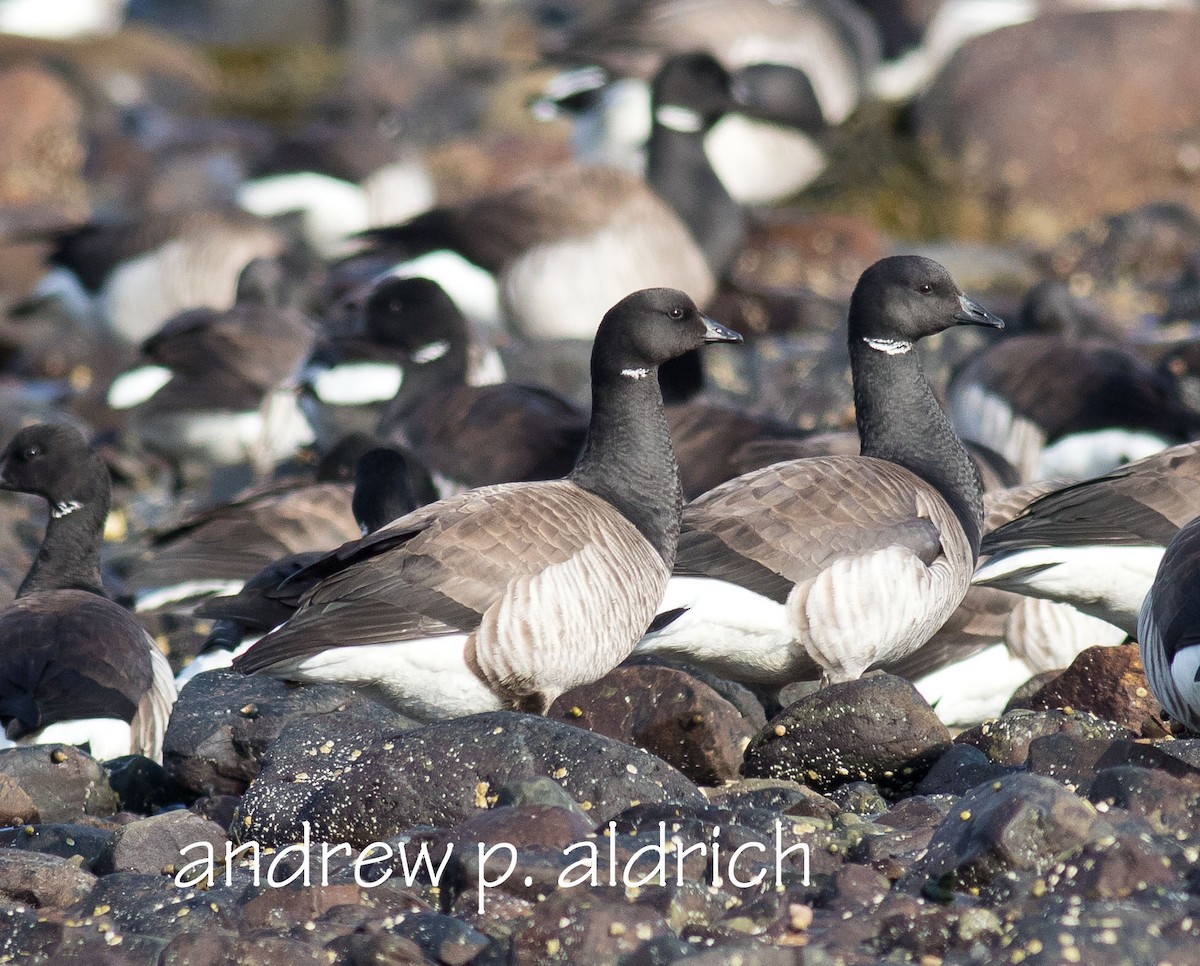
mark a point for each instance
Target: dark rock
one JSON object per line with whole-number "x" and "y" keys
{"x": 1113, "y": 86}
{"x": 1096, "y": 934}
{"x": 861, "y": 798}
{"x": 62, "y": 782}
{"x": 133, "y": 903}
{"x": 223, "y": 722}
{"x": 876, "y": 729}
{"x": 65, "y": 841}
{"x": 667, "y": 712}
{"x": 276, "y": 908}
{"x": 960, "y": 769}
{"x": 210, "y": 948}
{"x": 1024, "y": 822}
{"x": 1122, "y": 866}
{"x": 1110, "y": 683}
{"x": 153, "y": 845}
{"x": 28, "y": 935}
{"x": 442, "y": 938}
{"x": 900, "y": 835}
{"x": 42, "y": 880}
{"x": 357, "y": 783}
{"x": 573, "y": 927}
{"x": 745, "y": 699}
{"x": 219, "y": 809}
{"x": 1169, "y": 804}
{"x": 16, "y": 807}
{"x": 1006, "y": 740}
{"x": 1170, "y": 756}
{"x": 1066, "y": 758}
{"x": 141, "y": 785}
{"x": 372, "y": 948}
{"x": 784, "y": 797}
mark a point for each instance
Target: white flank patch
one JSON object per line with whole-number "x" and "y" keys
{"x": 875, "y": 607}
{"x": 635, "y": 373}
{"x": 474, "y": 290}
{"x": 397, "y": 192}
{"x": 61, "y": 19}
{"x": 105, "y": 737}
{"x": 974, "y": 689}
{"x": 134, "y": 387}
{"x": 332, "y": 208}
{"x": 355, "y": 383}
{"x": 426, "y": 679}
{"x": 430, "y": 352}
{"x": 891, "y": 347}
{"x": 561, "y": 290}
{"x": 1048, "y": 635}
{"x": 213, "y": 661}
{"x": 761, "y": 163}
{"x": 1081, "y": 456}
{"x": 148, "y": 600}
{"x": 676, "y": 118}
{"x": 1107, "y": 582}
{"x": 728, "y": 629}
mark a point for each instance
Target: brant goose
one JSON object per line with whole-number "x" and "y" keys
{"x": 1056, "y": 405}
{"x": 834, "y": 564}
{"x": 511, "y": 594}
{"x": 381, "y": 494}
{"x": 218, "y": 394}
{"x": 1169, "y": 629}
{"x": 131, "y": 277}
{"x": 567, "y": 245}
{"x": 1097, "y": 544}
{"x": 360, "y": 364}
{"x": 467, "y": 436}
{"x": 75, "y": 668}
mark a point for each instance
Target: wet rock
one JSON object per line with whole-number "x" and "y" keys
{"x": 223, "y": 722}
{"x": 1097, "y": 934}
{"x": 1121, "y": 866}
{"x": 152, "y": 845}
{"x": 45, "y": 881}
{"x": 442, "y": 938}
{"x": 960, "y": 769}
{"x": 1110, "y": 683}
{"x": 269, "y": 906}
{"x": 1006, "y": 740}
{"x": 355, "y": 782}
{"x": 900, "y": 835}
{"x": 79, "y": 842}
{"x": 28, "y": 935}
{"x": 141, "y": 785}
{"x": 1172, "y": 757}
{"x": 1123, "y": 122}
{"x": 134, "y": 903}
{"x": 861, "y": 798}
{"x": 62, "y": 782}
{"x": 876, "y": 729}
{"x": 667, "y": 712}
{"x": 1024, "y": 822}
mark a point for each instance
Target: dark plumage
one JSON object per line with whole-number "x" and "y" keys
{"x": 511, "y": 594}
{"x": 1169, "y": 629}
{"x": 68, "y": 655}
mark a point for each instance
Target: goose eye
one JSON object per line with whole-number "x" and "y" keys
{"x": 925, "y": 289}
{"x": 29, "y": 452}
{"x": 676, "y": 313}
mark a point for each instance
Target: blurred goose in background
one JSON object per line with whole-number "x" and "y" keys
{"x": 1097, "y": 544}
{"x": 830, "y": 565}
{"x": 75, "y": 668}
{"x": 510, "y": 595}
{"x": 569, "y": 243}
{"x": 219, "y": 398}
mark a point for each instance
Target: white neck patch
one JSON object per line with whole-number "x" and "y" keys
{"x": 431, "y": 352}
{"x": 635, "y": 373}
{"x": 892, "y": 347}
{"x": 60, "y": 510}
{"x": 681, "y": 119}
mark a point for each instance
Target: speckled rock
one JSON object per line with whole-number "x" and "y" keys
{"x": 1114, "y": 933}
{"x": 784, "y": 797}
{"x": 1024, "y": 822}
{"x": 876, "y": 729}
{"x": 27, "y": 935}
{"x": 1170, "y": 805}
{"x": 667, "y": 712}
{"x": 1110, "y": 683}
{"x": 153, "y": 844}
{"x": 223, "y": 722}
{"x": 62, "y": 782}
{"x": 80, "y": 842}
{"x": 573, "y": 927}
{"x": 900, "y": 835}
{"x": 1006, "y": 740}
{"x": 354, "y": 782}
{"x": 42, "y": 880}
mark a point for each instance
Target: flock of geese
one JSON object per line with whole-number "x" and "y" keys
{"x": 502, "y": 544}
